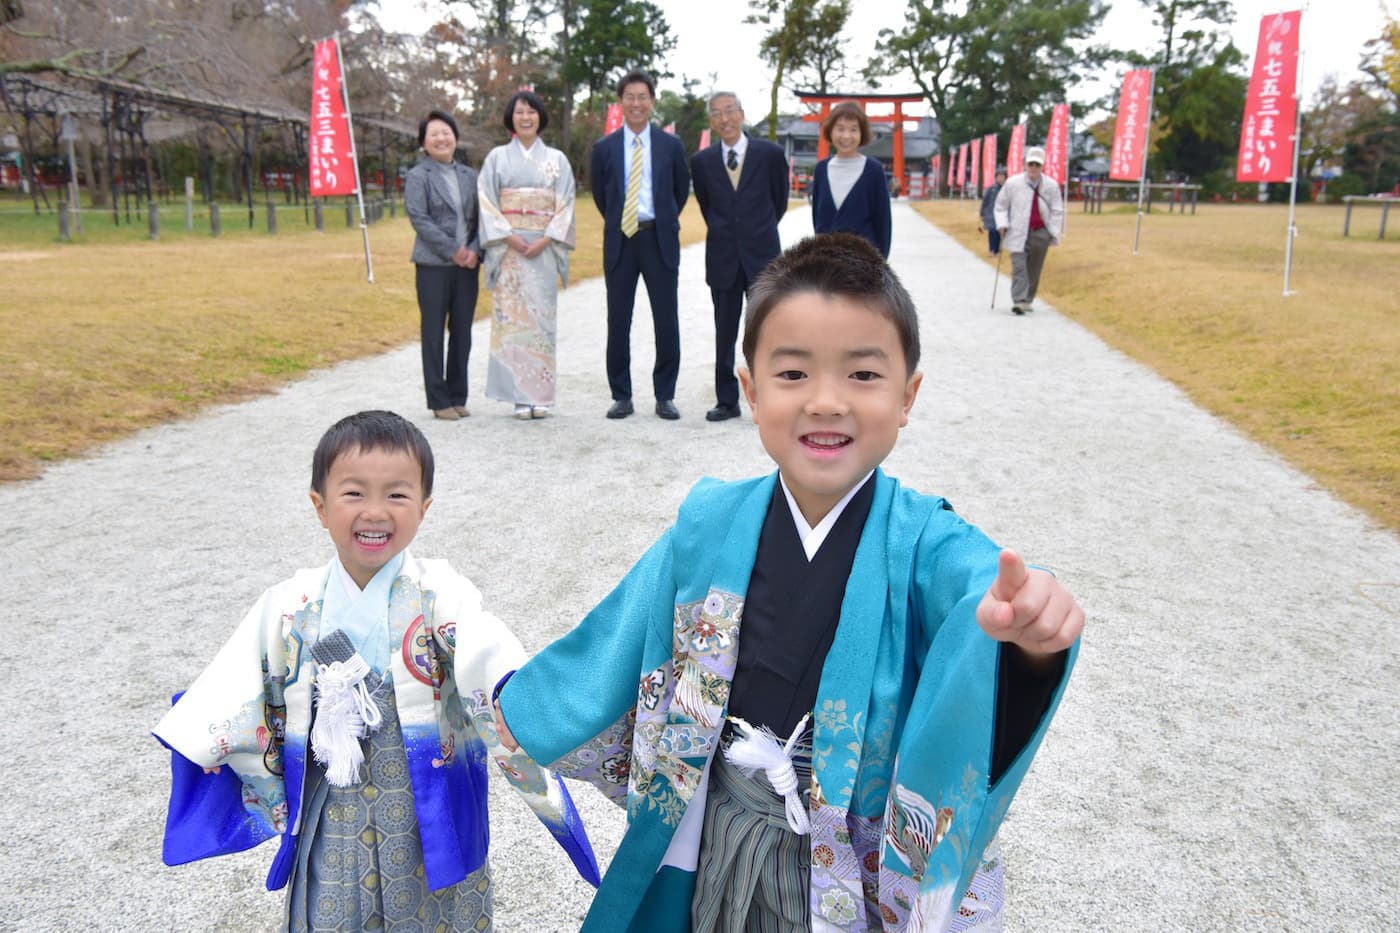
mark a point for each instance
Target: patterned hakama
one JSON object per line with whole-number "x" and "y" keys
{"x": 530, "y": 195}
{"x": 363, "y": 869}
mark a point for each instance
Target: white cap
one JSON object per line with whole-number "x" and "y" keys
{"x": 1035, "y": 154}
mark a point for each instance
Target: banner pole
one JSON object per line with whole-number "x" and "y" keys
{"x": 1146, "y": 147}
{"x": 1293, "y": 185}
{"x": 354, "y": 156}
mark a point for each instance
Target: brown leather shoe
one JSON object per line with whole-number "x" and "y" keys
{"x": 461, "y": 411}
{"x": 446, "y": 414}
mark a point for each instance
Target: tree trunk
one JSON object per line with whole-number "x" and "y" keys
{"x": 773, "y": 101}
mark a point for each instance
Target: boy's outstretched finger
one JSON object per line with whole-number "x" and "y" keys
{"x": 1011, "y": 576}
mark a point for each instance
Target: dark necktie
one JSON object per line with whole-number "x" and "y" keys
{"x": 733, "y": 160}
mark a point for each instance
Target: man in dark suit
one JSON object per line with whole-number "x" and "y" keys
{"x": 640, "y": 183}
{"x": 741, "y": 184}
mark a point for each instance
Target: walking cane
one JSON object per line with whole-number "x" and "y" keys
{"x": 996, "y": 278}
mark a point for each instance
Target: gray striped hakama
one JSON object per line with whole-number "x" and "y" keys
{"x": 754, "y": 872}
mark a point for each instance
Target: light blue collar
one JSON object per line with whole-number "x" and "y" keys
{"x": 362, "y": 615}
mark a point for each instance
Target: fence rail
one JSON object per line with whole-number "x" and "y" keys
{"x": 1096, "y": 192}
{"x": 1382, "y": 203}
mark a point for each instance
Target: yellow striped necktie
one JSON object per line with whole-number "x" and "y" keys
{"x": 634, "y": 190}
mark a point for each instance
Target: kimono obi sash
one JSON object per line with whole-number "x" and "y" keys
{"x": 528, "y": 208}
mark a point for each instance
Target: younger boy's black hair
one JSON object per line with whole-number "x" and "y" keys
{"x": 371, "y": 430}
{"x": 834, "y": 264}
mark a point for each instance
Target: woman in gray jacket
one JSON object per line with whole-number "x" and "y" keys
{"x": 440, "y": 198}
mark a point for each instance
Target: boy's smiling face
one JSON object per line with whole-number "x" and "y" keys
{"x": 372, "y": 507}
{"x": 829, "y": 391}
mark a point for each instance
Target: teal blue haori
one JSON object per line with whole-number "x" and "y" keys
{"x": 902, "y": 806}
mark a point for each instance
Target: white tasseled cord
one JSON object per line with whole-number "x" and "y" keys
{"x": 753, "y": 749}
{"x": 345, "y": 712}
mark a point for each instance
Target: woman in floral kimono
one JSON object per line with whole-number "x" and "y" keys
{"x": 526, "y": 195}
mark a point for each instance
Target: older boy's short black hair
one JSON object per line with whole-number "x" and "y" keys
{"x": 834, "y": 264}
{"x": 635, "y": 76}
{"x": 371, "y": 430}
{"x": 532, "y": 100}
{"x": 442, "y": 115}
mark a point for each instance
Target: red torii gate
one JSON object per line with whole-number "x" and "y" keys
{"x": 826, "y": 101}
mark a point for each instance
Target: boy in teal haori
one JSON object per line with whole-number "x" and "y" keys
{"x": 817, "y": 693}
{"x": 350, "y": 714}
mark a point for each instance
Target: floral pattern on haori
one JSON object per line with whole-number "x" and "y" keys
{"x": 836, "y": 746}
{"x": 838, "y": 907}
{"x": 836, "y": 865}
{"x": 520, "y": 769}
{"x": 709, "y": 629}
{"x": 603, "y": 761}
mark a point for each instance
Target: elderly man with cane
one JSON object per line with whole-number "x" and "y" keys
{"x": 1029, "y": 215}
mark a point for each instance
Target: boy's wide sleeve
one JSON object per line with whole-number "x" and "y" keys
{"x": 485, "y": 652}
{"x": 958, "y": 764}
{"x": 574, "y": 704}
{"x": 221, "y": 721}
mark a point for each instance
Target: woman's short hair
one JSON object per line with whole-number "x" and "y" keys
{"x": 442, "y": 115}
{"x": 847, "y": 110}
{"x": 531, "y": 100}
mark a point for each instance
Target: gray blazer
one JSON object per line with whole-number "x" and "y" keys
{"x": 428, "y": 201}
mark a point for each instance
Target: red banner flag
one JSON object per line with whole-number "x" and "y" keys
{"x": 952, "y": 161}
{"x": 1057, "y": 145}
{"x": 671, "y": 128}
{"x": 1270, "y": 106}
{"x": 614, "y": 119}
{"x": 935, "y": 168}
{"x": 989, "y": 160}
{"x": 332, "y": 160}
{"x": 974, "y": 164}
{"x": 1130, "y": 131}
{"x": 704, "y": 139}
{"x": 1016, "y": 150}
{"x": 962, "y": 165}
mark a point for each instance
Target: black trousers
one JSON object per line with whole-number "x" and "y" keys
{"x": 729, "y": 312}
{"x": 641, "y": 256}
{"x": 446, "y": 303}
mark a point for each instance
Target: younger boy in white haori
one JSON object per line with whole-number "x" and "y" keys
{"x": 360, "y": 664}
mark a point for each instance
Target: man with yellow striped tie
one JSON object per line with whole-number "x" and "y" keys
{"x": 640, "y": 183}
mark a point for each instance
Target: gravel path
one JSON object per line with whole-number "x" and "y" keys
{"x": 1226, "y": 757}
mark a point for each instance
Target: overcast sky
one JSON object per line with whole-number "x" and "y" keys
{"x": 713, "y": 39}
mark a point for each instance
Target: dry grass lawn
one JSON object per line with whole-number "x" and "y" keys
{"x": 1315, "y": 376}
{"x": 114, "y": 333}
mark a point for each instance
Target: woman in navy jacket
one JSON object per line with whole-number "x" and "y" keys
{"x": 848, "y": 189}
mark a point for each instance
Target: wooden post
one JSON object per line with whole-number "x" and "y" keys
{"x": 63, "y": 233}
{"x": 271, "y": 217}
{"x": 320, "y": 217}
{"x": 393, "y": 209}
{"x": 1346, "y": 224}
{"x": 1385, "y": 212}
{"x": 153, "y": 218}
{"x": 349, "y": 213}
{"x": 215, "y": 228}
